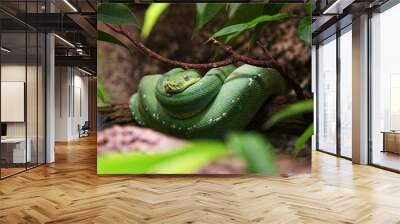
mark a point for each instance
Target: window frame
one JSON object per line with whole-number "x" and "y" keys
{"x": 380, "y": 9}
{"x": 339, "y": 32}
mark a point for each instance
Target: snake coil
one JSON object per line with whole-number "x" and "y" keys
{"x": 184, "y": 103}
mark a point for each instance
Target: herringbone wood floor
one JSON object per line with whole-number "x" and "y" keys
{"x": 69, "y": 191}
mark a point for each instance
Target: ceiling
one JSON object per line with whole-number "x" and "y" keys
{"x": 74, "y": 21}
{"x": 330, "y": 15}
{"x": 15, "y": 42}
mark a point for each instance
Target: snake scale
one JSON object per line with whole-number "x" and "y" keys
{"x": 184, "y": 103}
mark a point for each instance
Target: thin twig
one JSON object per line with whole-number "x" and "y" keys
{"x": 264, "y": 48}
{"x": 243, "y": 58}
{"x": 159, "y": 57}
{"x": 288, "y": 74}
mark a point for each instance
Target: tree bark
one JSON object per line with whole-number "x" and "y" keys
{"x": 114, "y": 114}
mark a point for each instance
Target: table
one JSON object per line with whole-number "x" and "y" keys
{"x": 391, "y": 141}
{"x": 17, "y": 150}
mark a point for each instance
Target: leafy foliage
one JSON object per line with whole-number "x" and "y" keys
{"x": 298, "y": 145}
{"x": 237, "y": 29}
{"x": 232, "y": 9}
{"x": 292, "y": 110}
{"x": 255, "y": 150}
{"x": 242, "y": 13}
{"x": 304, "y": 30}
{"x": 101, "y": 93}
{"x": 269, "y": 9}
{"x": 308, "y": 7}
{"x": 117, "y": 14}
{"x": 241, "y": 18}
{"x": 206, "y": 12}
{"x": 188, "y": 159}
{"x": 151, "y": 16}
{"x": 306, "y": 106}
{"x": 103, "y": 36}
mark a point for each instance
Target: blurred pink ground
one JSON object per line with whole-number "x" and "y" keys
{"x": 133, "y": 138}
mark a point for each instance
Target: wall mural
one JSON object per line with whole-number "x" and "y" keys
{"x": 204, "y": 88}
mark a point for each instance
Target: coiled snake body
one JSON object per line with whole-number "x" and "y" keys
{"x": 184, "y": 103}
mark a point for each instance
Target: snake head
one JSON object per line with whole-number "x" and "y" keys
{"x": 178, "y": 80}
{"x": 171, "y": 86}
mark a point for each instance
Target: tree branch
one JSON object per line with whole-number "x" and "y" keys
{"x": 234, "y": 57}
{"x": 243, "y": 58}
{"x": 152, "y": 54}
{"x": 288, "y": 74}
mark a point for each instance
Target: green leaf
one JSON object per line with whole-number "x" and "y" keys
{"x": 117, "y": 14}
{"x": 255, "y": 34}
{"x": 103, "y": 36}
{"x": 305, "y": 106}
{"x": 232, "y": 8}
{"x": 270, "y": 9}
{"x": 304, "y": 29}
{"x": 256, "y": 151}
{"x": 188, "y": 159}
{"x": 243, "y": 13}
{"x": 248, "y": 12}
{"x": 237, "y": 29}
{"x": 298, "y": 144}
{"x": 101, "y": 93}
{"x": 205, "y": 13}
{"x": 308, "y": 7}
{"x": 267, "y": 18}
{"x": 151, "y": 16}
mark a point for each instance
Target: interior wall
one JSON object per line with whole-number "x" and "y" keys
{"x": 16, "y": 72}
{"x": 81, "y": 104}
{"x": 61, "y": 106}
{"x": 71, "y": 102}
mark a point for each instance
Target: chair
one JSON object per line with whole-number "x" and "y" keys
{"x": 84, "y": 130}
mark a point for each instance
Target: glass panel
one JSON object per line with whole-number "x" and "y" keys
{"x": 31, "y": 98}
{"x": 385, "y": 89}
{"x": 41, "y": 99}
{"x": 22, "y": 87}
{"x": 313, "y": 83}
{"x": 13, "y": 86}
{"x": 346, "y": 93}
{"x": 32, "y": 89}
{"x": 327, "y": 95}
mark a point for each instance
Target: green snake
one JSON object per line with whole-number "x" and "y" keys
{"x": 184, "y": 103}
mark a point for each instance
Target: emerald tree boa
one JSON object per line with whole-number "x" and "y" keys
{"x": 184, "y": 103}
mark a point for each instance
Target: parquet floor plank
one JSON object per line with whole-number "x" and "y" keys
{"x": 70, "y": 191}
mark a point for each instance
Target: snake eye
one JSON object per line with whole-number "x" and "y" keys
{"x": 186, "y": 77}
